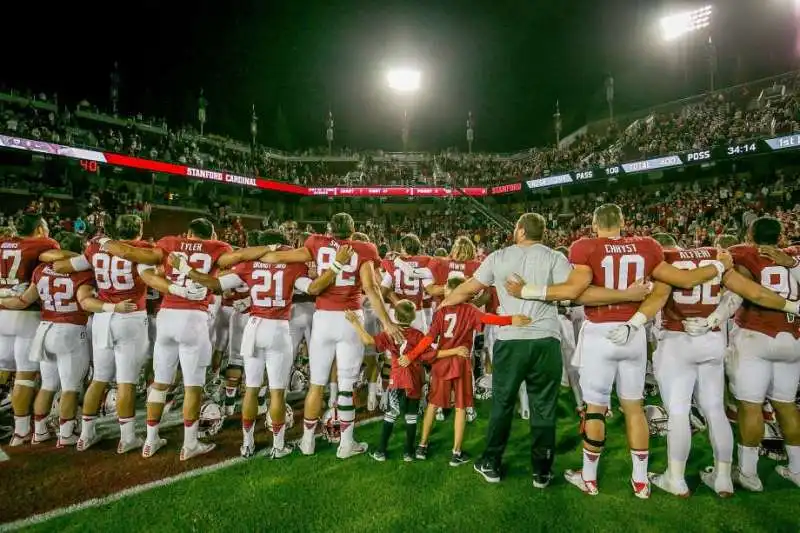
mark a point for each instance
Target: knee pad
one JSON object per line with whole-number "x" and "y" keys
{"x": 31, "y": 384}
{"x": 593, "y": 416}
{"x": 156, "y": 396}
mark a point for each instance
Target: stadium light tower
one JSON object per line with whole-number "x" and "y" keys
{"x": 405, "y": 82}
{"x": 681, "y": 24}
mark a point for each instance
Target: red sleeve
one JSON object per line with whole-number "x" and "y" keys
{"x": 579, "y": 252}
{"x": 494, "y": 320}
{"x": 90, "y": 250}
{"x": 51, "y": 244}
{"x": 165, "y": 245}
{"x": 242, "y": 269}
{"x": 312, "y": 244}
{"x": 423, "y": 345}
{"x": 381, "y": 342}
{"x": 436, "y": 324}
{"x": 84, "y": 278}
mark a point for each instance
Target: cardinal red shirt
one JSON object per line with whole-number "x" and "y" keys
{"x": 19, "y": 257}
{"x": 58, "y": 294}
{"x": 409, "y": 287}
{"x": 117, "y": 279}
{"x": 271, "y": 286}
{"x": 698, "y": 302}
{"x": 451, "y": 327}
{"x": 345, "y": 293}
{"x": 411, "y": 377}
{"x": 777, "y": 279}
{"x": 444, "y": 268}
{"x": 202, "y": 255}
{"x": 616, "y": 263}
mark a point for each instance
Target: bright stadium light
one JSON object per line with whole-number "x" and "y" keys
{"x": 404, "y": 80}
{"x": 675, "y": 26}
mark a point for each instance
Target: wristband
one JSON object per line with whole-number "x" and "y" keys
{"x": 336, "y": 267}
{"x": 534, "y": 292}
{"x": 109, "y": 308}
{"x": 792, "y": 307}
{"x": 720, "y": 269}
{"x": 638, "y": 320}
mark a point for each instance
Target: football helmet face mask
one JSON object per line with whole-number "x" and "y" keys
{"x": 288, "y": 420}
{"x": 108, "y": 407}
{"x": 483, "y": 387}
{"x": 657, "y": 420}
{"x": 772, "y": 445}
{"x": 298, "y": 382}
{"x": 211, "y": 419}
{"x": 331, "y": 427}
{"x": 214, "y": 389}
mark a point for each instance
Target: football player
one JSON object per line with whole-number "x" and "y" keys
{"x": 453, "y": 326}
{"x": 19, "y": 257}
{"x": 614, "y": 262}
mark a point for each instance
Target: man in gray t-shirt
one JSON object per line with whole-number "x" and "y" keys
{"x": 531, "y": 354}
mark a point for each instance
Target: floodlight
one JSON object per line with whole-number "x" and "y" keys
{"x": 404, "y": 80}
{"x": 675, "y": 26}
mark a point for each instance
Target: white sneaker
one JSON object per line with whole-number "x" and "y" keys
{"x": 785, "y": 473}
{"x": 723, "y": 487}
{"x": 751, "y": 483}
{"x": 201, "y": 448}
{"x": 151, "y": 447}
{"x": 345, "y": 451}
{"x": 248, "y": 448}
{"x": 667, "y": 484}
{"x": 63, "y": 442}
{"x": 39, "y": 438}
{"x": 471, "y": 414}
{"x": 125, "y": 446}
{"x": 307, "y": 446}
{"x": 86, "y": 442}
{"x": 439, "y": 414}
{"x": 279, "y": 453}
{"x": 19, "y": 440}
{"x": 3, "y": 456}
{"x": 575, "y": 477}
{"x": 372, "y": 402}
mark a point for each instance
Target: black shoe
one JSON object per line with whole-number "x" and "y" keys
{"x": 489, "y": 472}
{"x": 422, "y": 452}
{"x": 541, "y": 481}
{"x": 459, "y": 458}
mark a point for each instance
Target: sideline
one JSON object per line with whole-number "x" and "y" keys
{"x": 137, "y": 489}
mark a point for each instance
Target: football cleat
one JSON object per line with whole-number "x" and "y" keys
{"x": 378, "y": 456}
{"x": 575, "y": 477}
{"x": 39, "y": 438}
{"x": 19, "y": 440}
{"x": 151, "y": 447}
{"x": 723, "y": 487}
{"x": 84, "y": 443}
{"x": 785, "y": 473}
{"x": 201, "y": 448}
{"x": 751, "y": 483}
{"x": 63, "y": 442}
{"x": 667, "y": 484}
{"x": 127, "y": 446}
{"x": 307, "y": 446}
{"x": 641, "y": 490}
{"x": 471, "y": 414}
{"x": 279, "y": 453}
{"x": 346, "y": 451}
{"x": 247, "y": 449}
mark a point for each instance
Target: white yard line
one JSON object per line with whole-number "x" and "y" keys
{"x": 131, "y": 491}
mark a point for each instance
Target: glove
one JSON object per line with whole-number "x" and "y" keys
{"x": 196, "y": 292}
{"x": 715, "y": 320}
{"x": 696, "y": 326}
{"x": 621, "y": 334}
{"x": 241, "y": 305}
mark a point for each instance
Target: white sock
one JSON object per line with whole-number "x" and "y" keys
{"x": 309, "y": 428}
{"x": 40, "y": 425}
{"x": 22, "y": 425}
{"x": 278, "y": 433}
{"x": 640, "y": 459}
{"x": 334, "y": 390}
{"x": 794, "y": 458}
{"x": 87, "y": 428}
{"x": 723, "y": 470}
{"x": 67, "y": 428}
{"x": 347, "y": 417}
{"x": 372, "y": 389}
{"x": 590, "y": 462}
{"x": 676, "y": 470}
{"x": 249, "y": 432}
{"x": 152, "y": 433}
{"x": 748, "y": 460}
{"x": 190, "y": 434}
{"x": 127, "y": 429}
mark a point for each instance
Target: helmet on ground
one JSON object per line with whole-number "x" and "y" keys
{"x": 330, "y": 426}
{"x": 211, "y": 419}
{"x": 657, "y": 420}
{"x": 483, "y": 387}
{"x": 288, "y": 419}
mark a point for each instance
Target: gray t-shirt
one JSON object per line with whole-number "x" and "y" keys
{"x": 537, "y": 264}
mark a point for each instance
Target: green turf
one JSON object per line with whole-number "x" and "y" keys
{"x": 357, "y": 495}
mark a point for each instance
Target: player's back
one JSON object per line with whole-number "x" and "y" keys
{"x": 117, "y": 279}
{"x": 616, "y": 263}
{"x": 410, "y": 288}
{"x": 59, "y": 294}
{"x": 345, "y": 292}
{"x": 444, "y": 268}
{"x": 698, "y": 302}
{"x": 202, "y": 255}
{"x": 455, "y": 325}
{"x": 19, "y": 257}
{"x": 270, "y": 287}
{"x": 771, "y": 276}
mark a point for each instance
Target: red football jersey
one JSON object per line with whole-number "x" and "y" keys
{"x": 345, "y": 293}
{"x": 239, "y": 293}
{"x": 451, "y": 327}
{"x": 270, "y": 287}
{"x": 19, "y": 257}
{"x": 698, "y": 302}
{"x": 616, "y": 263}
{"x": 411, "y": 377}
{"x": 408, "y": 288}
{"x": 202, "y": 255}
{"x": 444, "y": 268}
{"x": 773, "y": 277}
{"x": 59, "y": 294}
{"x": 117, "y": 279}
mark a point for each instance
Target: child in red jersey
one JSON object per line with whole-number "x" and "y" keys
{"x": 405, "y": 382}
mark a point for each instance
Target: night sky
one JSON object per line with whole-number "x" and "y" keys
{"x": 506, "y": 61}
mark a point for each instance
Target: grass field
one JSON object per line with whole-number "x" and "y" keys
{"x": 323, "y": 493}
